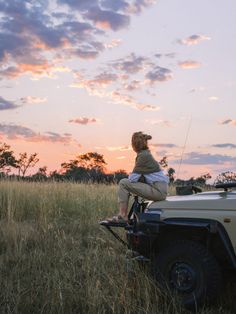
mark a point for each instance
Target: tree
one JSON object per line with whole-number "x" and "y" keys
{"x": 7, "y": 159}
{"x": 25, "y": 162}
{"x": 92, "y": 160}
{"x": 164, "y": 162}
{"x": 226, "y": 177}
{"x": 120, "y": 174}
{"x": 85, "y": 167}
{"x": 171, "y": 173}
{"x": 55, "y": 175}
{"x": 40, "y": 175}
{"x": 203, "y": 178}
{"x": 43, "y": 171}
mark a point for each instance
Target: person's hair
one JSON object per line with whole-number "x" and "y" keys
{"x": 139, "y": 141}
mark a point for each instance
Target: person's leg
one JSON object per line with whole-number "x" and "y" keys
{"x": 123, "y": 198}
{"x": 155, "y": 192}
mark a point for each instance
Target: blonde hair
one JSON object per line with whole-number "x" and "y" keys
{"x": 139, "y": 141}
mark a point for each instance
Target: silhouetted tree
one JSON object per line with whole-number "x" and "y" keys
{"x": 7, "y": 159}
{"x": 55, "y": 175}
{"x": 40, "y": 175}
{"x": 226, "y": 177}
{"x": 92, "y": 160}
{"x": 43, "y": 170}
{"x": 203, "y": 178}
{"x": 25, "y": 162}
{"x": 85, "y": 167}
{"x": 164, "y": 162}
{"x": 171, "y": 173}
{"x": 120, "y": 174}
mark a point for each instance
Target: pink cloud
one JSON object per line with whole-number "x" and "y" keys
{"x": 33, "y": 100}
{"x": 193, "y": 40}
{"x": 84, "y": 120}
{"x": 228, "y": 121}
{"x": 18, "y": 132}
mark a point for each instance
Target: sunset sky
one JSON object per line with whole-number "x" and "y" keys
{"x": 83, "y": 75}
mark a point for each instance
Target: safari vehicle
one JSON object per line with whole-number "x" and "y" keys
{"x": 189, "y": 241}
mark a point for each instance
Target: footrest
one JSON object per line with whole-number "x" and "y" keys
{"x": 107, "y": 223}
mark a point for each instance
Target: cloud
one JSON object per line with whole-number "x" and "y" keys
{"x": 6, "y": 104}
{"x": 165, "y": 123}
{"x": 33, "y": 100}
{"x": 228, "y": 121}
{"x": 114, "y": 43}
{"x": 33, "y": 33}
{"x": 213, "y": 98}
{"x": 96, "y": 87}
{"x": 132, "y": 86}
{"x": 195, "y": 158}
{"x": 40, "y": 68}
{"x": 131, "y": 64}
{"x": 139, "y": 5}
{"x": 167, "y": 55}
{"x": 193, "y": 40}
{"x": 100, "y": 80}
{"x": 135, "y": 7}
{"x": 159, "y": 74}
{"x": 118, "y": 5}
{"x": 119, "y": 148}
{"x": 165, "y": 145}
{"x": 189, "y": 64}
{"x": 197, "y": 89}
{"x": 84, "y": 120}
{"x": 127, "y": 100}
{"x": 18, "y": 132}
{"x": 224, "y": 145}
{"x": 104, "y": 78}
{"x": 107, "y": 19}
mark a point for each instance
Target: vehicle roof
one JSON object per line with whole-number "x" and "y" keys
{"x": 220, "y": 200}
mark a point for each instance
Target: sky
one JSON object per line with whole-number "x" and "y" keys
{"x": 81, "y": 76}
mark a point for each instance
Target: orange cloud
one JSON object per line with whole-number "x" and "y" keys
{"x": 114, "y": 43}
{"x": 213, "y": 98}
{"x": 189, "y": 64}
{"x": 121, "y": 157}
{"x": 103, "y": 24}
{"x": 119, "y": 148}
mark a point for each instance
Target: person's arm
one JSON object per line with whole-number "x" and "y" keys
{"x": 134, "y": 177}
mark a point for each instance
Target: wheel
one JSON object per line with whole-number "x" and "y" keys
{"x": 187, "y": 268}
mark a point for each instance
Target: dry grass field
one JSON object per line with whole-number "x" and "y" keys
{"x": 55, "y": 258}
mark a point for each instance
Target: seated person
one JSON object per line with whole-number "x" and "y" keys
{"x": 146, "y": 167}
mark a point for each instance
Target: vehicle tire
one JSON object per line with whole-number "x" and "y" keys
{"x": 187, "y": 268}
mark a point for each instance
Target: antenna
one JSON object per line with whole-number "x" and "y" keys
{"x": 183, "y": 149}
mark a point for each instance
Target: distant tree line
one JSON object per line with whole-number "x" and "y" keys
{"x": 89, "y": 167}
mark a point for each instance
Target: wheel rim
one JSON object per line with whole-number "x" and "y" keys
{"x": 183, "y": 277}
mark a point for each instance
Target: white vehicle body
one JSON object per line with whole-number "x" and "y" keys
{"x": 217, "y": 205}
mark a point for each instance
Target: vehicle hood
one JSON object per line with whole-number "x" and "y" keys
{"x": 206, "y": 200}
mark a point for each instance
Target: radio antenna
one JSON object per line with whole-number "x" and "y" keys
{"x": 184, "y": 146}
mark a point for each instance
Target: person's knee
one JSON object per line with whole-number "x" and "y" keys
{"x": 124, "y": 182}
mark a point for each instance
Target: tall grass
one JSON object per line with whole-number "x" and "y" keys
{"x": 55, "y": 258}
